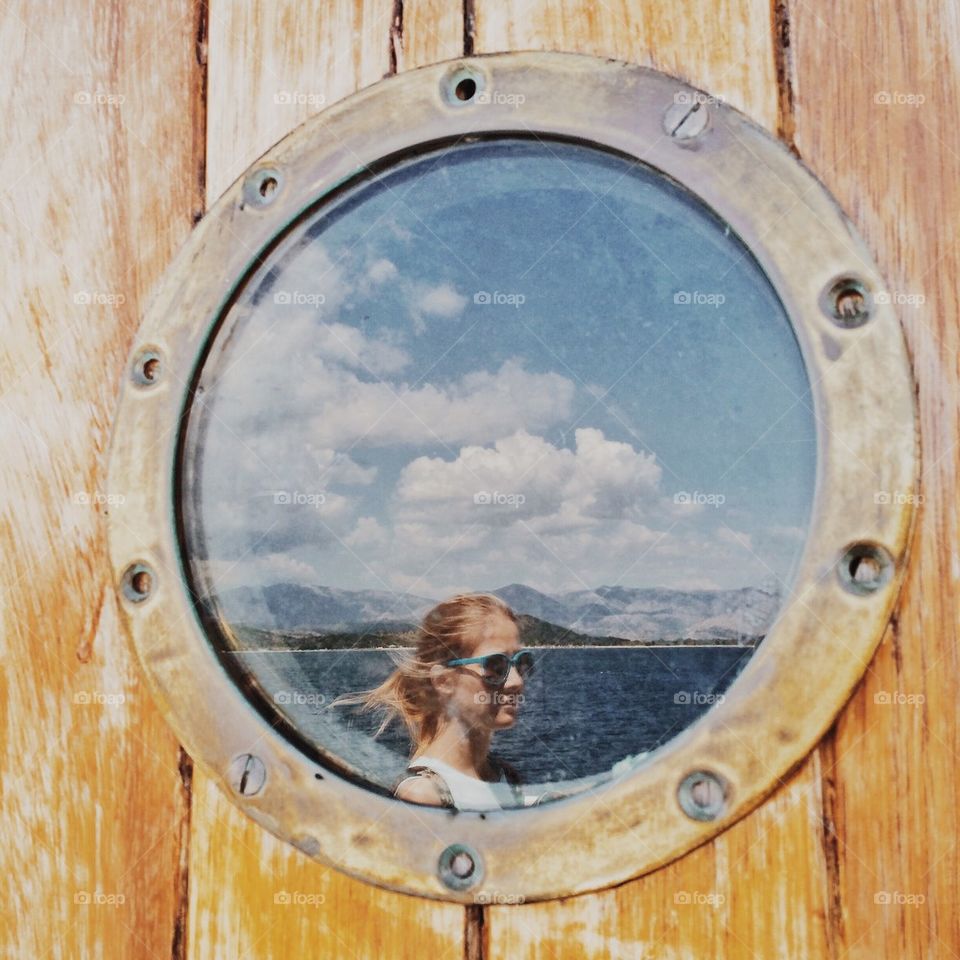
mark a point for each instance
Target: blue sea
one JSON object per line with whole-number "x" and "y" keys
{"x": 584, "y": 708}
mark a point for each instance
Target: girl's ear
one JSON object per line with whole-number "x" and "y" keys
{"x": 441, "y": 678}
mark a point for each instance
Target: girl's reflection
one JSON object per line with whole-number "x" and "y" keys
{"x": 463, "y": 682}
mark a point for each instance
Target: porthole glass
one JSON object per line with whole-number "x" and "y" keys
{"x": 514, "y": 366}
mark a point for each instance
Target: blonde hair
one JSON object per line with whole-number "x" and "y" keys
{"x": 448, "y": 631}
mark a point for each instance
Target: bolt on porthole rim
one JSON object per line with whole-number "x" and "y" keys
{"x": 865, "y": 567}
{"x": 847, "y": 301}
{"x": 247, "y": 774}
{"x": 138, "y": 582}
{"x": 460, "y": 867}
{"x": 703, "y": 795}
{"x": 262, "y": 187}
{"x": 147, "y": 368}
{"x": 859, "y": 394}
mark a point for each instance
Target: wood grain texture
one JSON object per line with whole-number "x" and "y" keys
{"x": 251, "y": 894}
{"x": 875, "y": 118}
{"x": 102, "y": 145}
{"x": 723, "y": 46}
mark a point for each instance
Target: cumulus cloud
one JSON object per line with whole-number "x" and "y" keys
{"x": 381, "y": 270}
{"x": 441, "y": 301}
{"x": 347, "y": 410}
{"x": 525, "y": 476}
{"x": 338, "y": 343}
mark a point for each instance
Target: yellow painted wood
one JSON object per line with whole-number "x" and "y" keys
{"x": 102, "y": 146}
{"x": 271, "y": 65}
{"x": 875, "y": 94}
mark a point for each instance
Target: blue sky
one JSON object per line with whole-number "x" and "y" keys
{"x": 552, "y": 327}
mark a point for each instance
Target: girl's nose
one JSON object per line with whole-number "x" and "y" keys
{"x": 514, "y": 680}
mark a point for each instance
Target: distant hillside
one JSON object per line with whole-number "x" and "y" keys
{"x": 296, "y": 616}
{"x": 533, "y": 633}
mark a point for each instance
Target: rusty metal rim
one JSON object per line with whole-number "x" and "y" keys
{"x": 867, "y": 442}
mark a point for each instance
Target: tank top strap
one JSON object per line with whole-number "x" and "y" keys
{"x": 421, "y": 770}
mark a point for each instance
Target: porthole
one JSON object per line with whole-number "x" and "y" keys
{"x": 553, "y": 371}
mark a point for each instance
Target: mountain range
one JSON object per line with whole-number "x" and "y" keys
{"x": 645, "y": 614}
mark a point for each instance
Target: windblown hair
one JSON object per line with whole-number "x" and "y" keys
{"x": 448, "y": 631}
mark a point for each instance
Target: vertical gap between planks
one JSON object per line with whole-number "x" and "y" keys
{"x": 198, "y": 109}
{"x": 469, "y": 27}
{"x": 178, "y": 946}
{"x": 833, "y": 921}
{"x": 396, "y": 36}
{"x": 783, "y": 63}
{"x": 475, "y": 933}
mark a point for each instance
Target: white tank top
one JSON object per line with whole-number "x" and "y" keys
{"x": 471, "y": 793}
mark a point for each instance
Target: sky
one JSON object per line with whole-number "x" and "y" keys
{"x": 509, "y": 361}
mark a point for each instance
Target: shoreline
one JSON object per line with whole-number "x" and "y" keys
{"x": 545, "y": 646}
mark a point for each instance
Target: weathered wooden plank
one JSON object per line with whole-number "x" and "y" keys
{"x": 431, "y": 30}
{"x": 874, "y": 118}
{"x": 272, "y": 65}
{"x": 724, "y": 46}
{"x": 251, "y": 894}
{"x": 760, "y": 889}
{"x": 102, "y": 133}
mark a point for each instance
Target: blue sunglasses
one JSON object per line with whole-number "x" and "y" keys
{"x": 496, "y": 666}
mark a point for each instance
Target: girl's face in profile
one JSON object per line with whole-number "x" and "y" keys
{"x": 466, "y": 693}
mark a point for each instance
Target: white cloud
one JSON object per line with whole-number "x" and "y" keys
{"x": 440, "y": 301}
{"x": 368, "y": 532}
{"x": 735, "y": 537}
{"x": 342, "y": 344}
{"x": 381, "y": 270}
{"x": 346, "y": 410}
{"x": 523, "y": 476}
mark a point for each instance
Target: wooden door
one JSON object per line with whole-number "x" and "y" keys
{"x": 122, "y": 122}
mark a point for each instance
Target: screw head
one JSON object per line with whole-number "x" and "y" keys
{"x": 846, "y": 301}
{"x": 262, "y": 187}
{"x": 146, "y": 368}
{"x": 247, "y": 774}
{"x": 686, "y": 119}
{"x": 865, "y": 567}
{"x": 702, "y": 795}
{"x": 137, "y": 582}
{"x": 460, "y": 867}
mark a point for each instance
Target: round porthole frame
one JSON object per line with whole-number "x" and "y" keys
{"x": 783, "y": 701}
